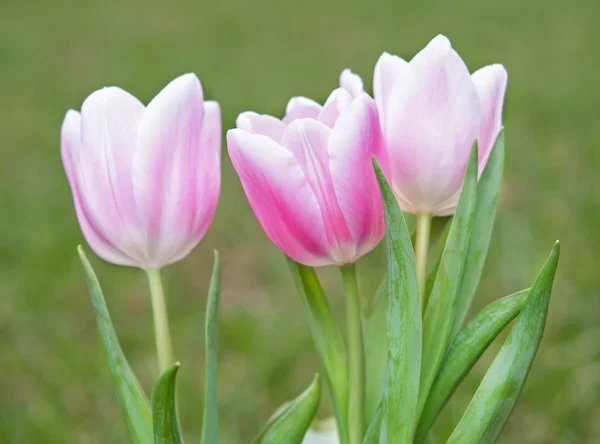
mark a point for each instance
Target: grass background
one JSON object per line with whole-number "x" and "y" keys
{"x": 54, "y": 385}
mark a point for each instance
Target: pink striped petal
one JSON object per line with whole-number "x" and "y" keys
{"x": 355, "y": 138}
{"x": 280, "y": 196}
{"x": 339, "y": 100}
{"x": 261, "y": 124}
{"x": 165, "y": 168}
{"x": 308, "y": 141}
{"x": 301, "y": 108}
{"x": 490, "y": 83}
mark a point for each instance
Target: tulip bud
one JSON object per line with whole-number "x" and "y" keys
{"x": 145, "y": 180}
{"x": 431, "y": 112}
{"x": 308, "y": 176}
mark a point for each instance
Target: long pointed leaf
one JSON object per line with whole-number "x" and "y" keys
{"x": 499, "y": 391}
{"x": 485, "y": 213}
{"x": 210, "y": 422}
{"x": 166, "y": 427}
{"x": 438, "y": 319}
{"x": 131, "y": 397}
{"x": 466, "y": 349}
{"x": 403, "y": 323}
{"x": 327, "y": 339}
{"x": 436, "y": 258}
{"x": 374, "y": 430}
{"x": 292, "y": 423}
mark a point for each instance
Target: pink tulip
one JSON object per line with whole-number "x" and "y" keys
{"x": 145, "y": 180}
{"x": 309, "y": 176}
{"x": 431, "y": 111}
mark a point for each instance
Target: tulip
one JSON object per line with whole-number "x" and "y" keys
{"x": 431, "y": 111}
{"x": 145, "y": 180}
{"x": 308, "y": 176}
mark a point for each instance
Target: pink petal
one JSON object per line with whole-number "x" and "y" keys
{"x": 165, "y": 168}
{"x": 339, "y": 100}
{"x": 308, "y": 140}
{"x": 352, "y": 83}
{"x": 109, "y": 123}
{"x": 261, "y": 124}
{"x": 208, "y": 177}
{"x": 490, "y": 83}
{"x": 433, "y": 118}
{"x": 300, "y": 108}
{"x": 355, "y": 138}
{"x": 70, "y": 153}
{"x": 280, "y": 196}
{"x": 387, "y": 70}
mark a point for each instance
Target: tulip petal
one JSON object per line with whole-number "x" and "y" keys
{"x": 432, "y": 120}
{"x": 355, "y": 138}
{"x": 352, "y": 83}
{"x": 280, "y": 196}
{"x": 261, "y": 124}
{"x": 339, "y": 100}
{"x": 70, "y": 153}
{"x": 308, "y": 139}
{"x": 165, "y": 168}
{"x": 490, "y": 83}
{"x": 301, "y": 108}
{"x": 109, "y": 122}
{"x": 387, "y": 70}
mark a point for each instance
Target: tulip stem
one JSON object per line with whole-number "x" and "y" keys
{"x": 421, "y": 251}
{"x": 356, "y": 358}
{"x": 161, "y": 322}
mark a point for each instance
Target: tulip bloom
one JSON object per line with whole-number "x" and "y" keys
{"x": 431, "y": 111}
{"x": 145, "y": 180}
{"x": 309, "y": 178}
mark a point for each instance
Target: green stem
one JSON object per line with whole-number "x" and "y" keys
{"x": 161, "y": 323}
{"x": 421, "y": 250}
{"x": 356, "y": 356}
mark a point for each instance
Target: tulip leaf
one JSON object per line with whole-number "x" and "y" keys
{"x": 375, "y": 352}
{"x": 403, "y": 323}
{"x": 328, "y": 341}
{"x": 210, "y": 422}
{"x": 131, "y": 396}
{"x": 497, "y": 394}
{"x": 467, "y": 348}
{"x": 438, "y": 319}
{"x": 485, "y": 213}
{"x": 166, "y": 428}
{"x": 436, "y": 257}
{"x": 291, "y": 424}
{"x": 374, "y": 430}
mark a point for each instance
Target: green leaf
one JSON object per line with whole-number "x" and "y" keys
{"x": 438, "y": 319}
{"x": 485, "y": 213}
{"x": 131, "y": 397}
{"x": 166, "y": 428}
{"x": 466, "y": 349}
{"x": 327, "y": 339}
{"x": 374, "y": 430}
{"x": 436, "y": 257}
{"x": 497, "y": 394}
{"x": 375, "y": 351}
{"x": 210, "y": 422}
{"x": 403, "y": 323}
{"x": 289, "y": 426}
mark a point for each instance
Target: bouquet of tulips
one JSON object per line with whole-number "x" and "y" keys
{"x": 326, "y": 183}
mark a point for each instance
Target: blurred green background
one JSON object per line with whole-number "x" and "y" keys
{"x": 54, "y": 385}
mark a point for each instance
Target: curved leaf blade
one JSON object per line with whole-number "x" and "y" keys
{"x": 210, "y": 421}
{"x": 374, "y": 430}
{"x": 499, "y": 391}
{"x": 485, "y": 214}
{"x": 166, "y": 427}
{"x": 294, "y": 420}
{"x": 131, "y": 396}
{"x": 438, "y": 319}
{"x": 328, "y": 341}
{"x": 403, "y": 323}
{"x": 467, "y": 348}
